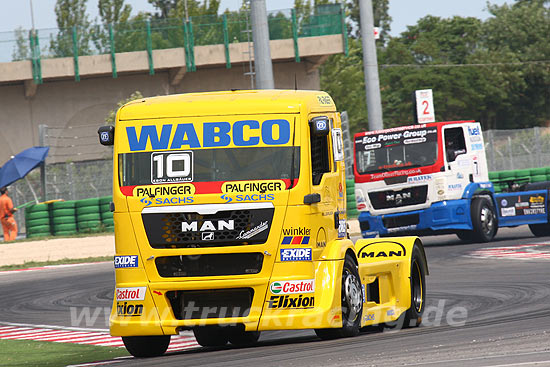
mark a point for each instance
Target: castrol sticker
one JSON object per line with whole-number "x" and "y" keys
{"x": 130, "y": 294}
{"x": 293, "y": 286}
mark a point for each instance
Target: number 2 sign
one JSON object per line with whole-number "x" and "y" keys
{"x": 424, "y": 106}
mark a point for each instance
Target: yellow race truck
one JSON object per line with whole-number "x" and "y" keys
{"x": 230, "y": 219}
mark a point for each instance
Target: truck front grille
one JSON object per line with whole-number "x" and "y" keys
{"x": 209, "y": 265}
{"x": 398, "y": 198}
{"x": 211, "y": 303}
{"x": 224, "y": 228}
{"x": 401, "y": 221}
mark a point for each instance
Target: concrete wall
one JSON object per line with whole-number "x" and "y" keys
{"x": 74, "y": 110}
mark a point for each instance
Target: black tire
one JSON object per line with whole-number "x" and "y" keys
{"x": 109, "y": 222}
{"x": 105, "y": 200}
{"x": 146, "y": 346}
{"x": 466, "y": 236}
{"x": 351, "y": 301}
{"x": 36, "y": 215}
{"x": 65, "y": 233}
{"x": 105, "y": 208}
{"x": 540, "y": 230}
{"x": 241, "y": 338}
{"x": 68, "y": 212}
{"x": 64, "y": 227}
{"x": 39, "y": 229}
{"x": 88, "y": 217}
{"x": 413, "y": 316}
{"x": 106, "y": 216}
{"x": 64, "y": 220}
{"x": 37, "y": 208}
{"x": 91, "y": 209}
{"x": 211, "y": 336}
{"x": 63, "y": 205}
{"x": 37, "y": 222}
{"x": 87, "y": 202}
{"x": 484, "y": 220}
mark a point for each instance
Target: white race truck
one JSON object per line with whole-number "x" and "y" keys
{"x": 433, "y": 179}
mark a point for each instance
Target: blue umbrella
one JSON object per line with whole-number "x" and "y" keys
{"x": 20, "y": 165}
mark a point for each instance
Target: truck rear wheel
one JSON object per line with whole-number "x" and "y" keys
{"x": 484, "y": 219}
{"x": 211, "y": 336}
{"x": 146, "y": 346}
{"x": 352, "y": 304}
{"x": 540, "y": 230}
{"x": 413, "y": 316}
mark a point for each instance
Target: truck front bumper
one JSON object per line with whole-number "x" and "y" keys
{"x": 441, "y": 217}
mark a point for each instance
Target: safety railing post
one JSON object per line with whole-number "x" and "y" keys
{"x": 192, "y": 45}
{"x": 295, "y": 36}
{"x": 112, "y": 47}
{"x": 344, "y": 29}
{"x": 75, "y": 55}
{"x": 150, "y": 48}
{"x": 226, "y": 42}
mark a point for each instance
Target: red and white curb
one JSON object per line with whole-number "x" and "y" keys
{"x": 82, "y": 336}
{"x": 537, "y": 251}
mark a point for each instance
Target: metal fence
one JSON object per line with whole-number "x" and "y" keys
{"x": 149, "y": 34}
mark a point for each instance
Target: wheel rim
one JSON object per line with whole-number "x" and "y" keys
{"x": 487, "y": 220}
{"x": 417, "y": 290}
{"x": 352, "y": 295}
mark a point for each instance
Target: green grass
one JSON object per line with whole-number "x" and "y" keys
{"x": 35, "y": 264}
{"x": 32, "y": 353}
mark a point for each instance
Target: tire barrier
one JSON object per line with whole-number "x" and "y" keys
{"x": 106, "y": 214}
{"x": 37, "y": 221}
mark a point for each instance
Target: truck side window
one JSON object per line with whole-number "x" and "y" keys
{"x": 319, "y": 157}
{"x": 454, "y": 143}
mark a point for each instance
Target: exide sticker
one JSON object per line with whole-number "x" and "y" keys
{"x": 296, "y": 254}
{"x": 130, "y": 294}
{"x": 130, "y": 261}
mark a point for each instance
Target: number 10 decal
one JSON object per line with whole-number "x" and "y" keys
{"x": 171, "y": 167}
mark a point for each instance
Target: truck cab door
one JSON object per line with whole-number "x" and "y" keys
{"x": 327, "y": 174}
{"x": 459, "y": 165}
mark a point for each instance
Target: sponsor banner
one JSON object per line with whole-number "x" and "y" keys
{"x": 164, "y": 190}
{"x": 242, "y": 198}
{"x": 130, "y": 294}
{"x": 296, "y": 254}
{"x": 129, "y": 261}
{"x": 260, "y": 186}
{"x": 297, "y": 231}
{"x": 523, "y": 205}
{"x": 293, "y": 286}
{"x": 272, "y": 132}
{"x": 291, "y": 302}
{"x": 419, "y": 179}
{"x": 129, "y": 309}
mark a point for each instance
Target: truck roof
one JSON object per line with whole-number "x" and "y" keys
{"x": 240, "y": 102}
{"x": 401, "y": 128}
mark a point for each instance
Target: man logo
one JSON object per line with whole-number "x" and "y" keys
{"x": 207, "y": 236}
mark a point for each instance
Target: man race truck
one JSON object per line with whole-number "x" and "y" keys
{"x": 433, "y": 179}
{"x": 230, "y": 219}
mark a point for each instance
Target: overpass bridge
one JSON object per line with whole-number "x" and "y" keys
{"x": 69, "y": 80}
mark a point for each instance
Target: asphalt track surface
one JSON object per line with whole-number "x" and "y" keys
{"x": 481, "y": 312}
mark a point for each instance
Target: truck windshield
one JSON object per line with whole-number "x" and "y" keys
{"x": 395, "y": 149}
{"x": 207, "y": 165}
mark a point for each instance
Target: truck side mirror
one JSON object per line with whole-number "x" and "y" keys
{"x": 312, "y": 199}
{"x": 106, "y": 135}
{"x": 320, "y": 126}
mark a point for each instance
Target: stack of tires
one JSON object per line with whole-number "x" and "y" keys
{"x": 37, "y": 221}
{"x": 106, "y": 214}
{"x": 350, "y": 199}
{"x": 88, "y": 217}
{"x": 63, "y": 218}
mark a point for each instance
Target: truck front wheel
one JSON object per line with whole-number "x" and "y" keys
{"x": 484, "y": 219}
{"x": 146, "y": 346}
{"x": 352, "y": 304}
{"x": 211, "y": 336}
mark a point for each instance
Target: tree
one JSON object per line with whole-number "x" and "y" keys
{"x": 111, "y": 117}
{"x": 111, "y": 12}
{"x": 21, "y": 49}
{"x": 71, "y": 13}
